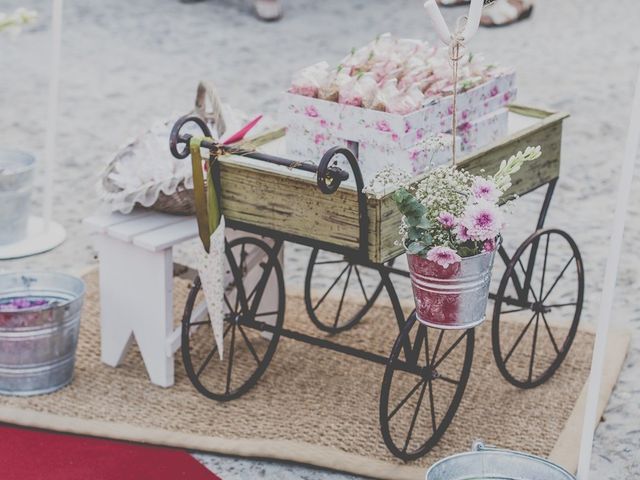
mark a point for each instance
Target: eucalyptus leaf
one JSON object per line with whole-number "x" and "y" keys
{"x": 424, "y": 223}
{"x": 416, "y": 248}
{"x": 410, "y": 207}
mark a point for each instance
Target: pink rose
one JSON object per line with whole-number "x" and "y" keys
{"x": 311, "y": 111}
{"x": 319, "y": 138}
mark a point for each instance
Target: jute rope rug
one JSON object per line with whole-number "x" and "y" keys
{"x": 312, "y": 406}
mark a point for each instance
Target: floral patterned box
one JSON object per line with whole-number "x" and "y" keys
{"x": 322, "y": 118}
{"x": 373, "y": 157}
{"x": 478, "y": 133}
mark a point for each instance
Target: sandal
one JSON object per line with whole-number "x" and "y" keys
{"x": 453, "y": 3}
{"x": 506, "y": 12}
{"x": 268, "y": 10}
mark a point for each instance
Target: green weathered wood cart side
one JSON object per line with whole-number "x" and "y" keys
{"x": 290, "y": 203}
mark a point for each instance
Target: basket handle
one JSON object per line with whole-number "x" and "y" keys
{"x": 207, "y": 91}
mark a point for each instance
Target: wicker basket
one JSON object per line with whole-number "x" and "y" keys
{"x": 181, "y": 202}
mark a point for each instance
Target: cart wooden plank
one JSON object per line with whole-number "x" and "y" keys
{"x": 288, "y": 202}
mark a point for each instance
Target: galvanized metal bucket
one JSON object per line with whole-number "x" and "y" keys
{"x": 38, "y": 344}
{"x": 454, "y": 297}
{"x": 495, "y": 464}
{"x": 16, "y": 180}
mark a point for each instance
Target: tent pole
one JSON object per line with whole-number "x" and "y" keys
{"x": 608, "y": 291}
{"x": 52, "y": 111}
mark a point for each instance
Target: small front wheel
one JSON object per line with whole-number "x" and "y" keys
{"x": 422, "y": 387}
{"x": 541, "y": 293}
{"x": 253, "y": 319}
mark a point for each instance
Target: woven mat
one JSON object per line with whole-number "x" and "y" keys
{"x": 312, "y": 406}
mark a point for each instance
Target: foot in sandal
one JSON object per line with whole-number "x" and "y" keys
{"x": 452, "y": 3}
{"x": 268, "y": 10}
{"x": 505, "y": 12}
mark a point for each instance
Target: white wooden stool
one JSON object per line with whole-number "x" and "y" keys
{"x": 136, "y": 286}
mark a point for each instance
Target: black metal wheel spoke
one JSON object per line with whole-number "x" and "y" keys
{"x": 432, "y": 408}
{"x": 414, "y": 418}
{"x": 331, "y": 287}
{"x": 560, "y": 305}
{"x": 558, "y": 279}
{"x": 231, "y": 309}
{"x": 249, "y": 345}
{"x": 551, "y": 337}
{"x": 449, "y": 350}
{"x": 520, "y": 337}
{"x": 435, "y": 350}
{"x": 448, "y": 380}
{"x": 364, "y": 292}
{"x": 344, "y": 292}
{"x": 233, "y": 343}
{"x": 211, "y": 353}
{"x": 544, "y": 266}
{"x": 264, "y": 314}
{"x": 404, "y": 400}
{"x": 515, "y": 310}
{"x": 533, "y": 347}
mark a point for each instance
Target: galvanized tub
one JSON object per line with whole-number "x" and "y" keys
{"x": 16, "y": 181}
{"x": 454, "y": 297}
{"x": 484, "y": 463}
{"x": 38, "y": 342}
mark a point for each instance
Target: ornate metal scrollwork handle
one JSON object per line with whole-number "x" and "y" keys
{"x": 328, "y": 182}
{"x": 176, "y": 138}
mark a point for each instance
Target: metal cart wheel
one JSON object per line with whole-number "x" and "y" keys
{"x": 542, "y": 290}
{"x": 247, "y": 348}
{"x": 423, "y": 384}
{"x": 326, "y": 312}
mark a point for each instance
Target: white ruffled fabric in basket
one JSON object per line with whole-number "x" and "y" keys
{"x": 145, "y": 167}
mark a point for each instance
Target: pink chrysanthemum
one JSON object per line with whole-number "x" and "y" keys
{"x": 485, "y": 189}
{"x": 489, "y": 245}
{"x": 443, "y": 256}
{"x": 462, "y": 233}
{"x": 483, "y": 221}
{"x": 447, "y": 220}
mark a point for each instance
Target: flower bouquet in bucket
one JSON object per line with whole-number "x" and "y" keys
{"x": 451, "y": 228}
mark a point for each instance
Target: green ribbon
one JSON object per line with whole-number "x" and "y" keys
{"x": 206, "y": 200}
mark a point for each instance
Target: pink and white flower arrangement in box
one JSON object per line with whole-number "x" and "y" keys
{"x": 394, "y": 75}
{"x": 453, "y": 214}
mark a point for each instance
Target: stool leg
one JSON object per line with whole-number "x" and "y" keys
{"x": 136, "y": 300}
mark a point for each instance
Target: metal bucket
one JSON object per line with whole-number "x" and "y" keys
{"x": 495, "y": 464}
{"x": 38, "y": 344}
{"x": 454, "y": 297}
{"x": 16, "y": 180}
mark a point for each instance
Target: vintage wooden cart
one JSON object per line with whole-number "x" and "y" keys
{"x": 427, "y": 369}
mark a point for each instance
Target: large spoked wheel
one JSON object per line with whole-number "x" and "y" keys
{"x": 541, "y": 291}
{"x": 250, "y": 303}
{"x": 423, "y": 384}
{"x": 346, "y": 280}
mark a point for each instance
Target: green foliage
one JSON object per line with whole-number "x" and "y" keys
{"x": 417, "y": 236}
